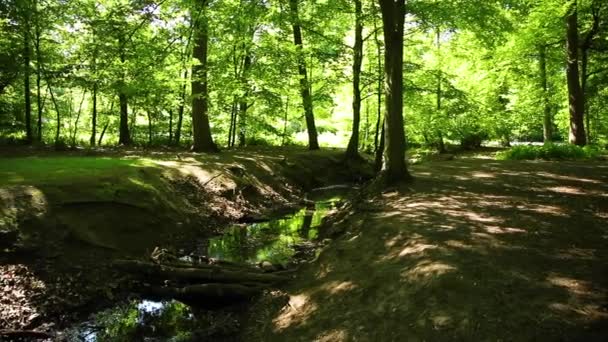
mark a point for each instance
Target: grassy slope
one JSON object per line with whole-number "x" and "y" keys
{"x": 472, "y": 251}
{"x": 118, "y": 198}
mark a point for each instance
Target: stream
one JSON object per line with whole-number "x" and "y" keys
{"x": 282, "y": 243}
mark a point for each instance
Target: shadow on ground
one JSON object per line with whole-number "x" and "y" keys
{"x": 473, "y": 250}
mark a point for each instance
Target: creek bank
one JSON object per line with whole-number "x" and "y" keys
{"x": 74, "y": 214}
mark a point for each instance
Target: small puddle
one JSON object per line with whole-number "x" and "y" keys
{"x": 280, "y": 242}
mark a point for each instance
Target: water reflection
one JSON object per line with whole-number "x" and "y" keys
{"x": 273, "y": 241}
{"x": 139, "y": 321}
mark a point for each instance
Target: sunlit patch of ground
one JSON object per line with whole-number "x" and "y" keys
{"x": 473, "y": 250}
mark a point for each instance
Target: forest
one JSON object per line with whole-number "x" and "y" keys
{"x": 323, "y": 170}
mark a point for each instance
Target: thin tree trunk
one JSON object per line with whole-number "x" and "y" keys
{"x": 170, "y": 126}
{"x": 352, "y": 150}
{"x": 379, "y": 91}
{"x": 379, "y": 151}
{"x": 575, "y": 93}
{"x": 547, "y": 120}
{"x": 180, "y": 110}
{"x": 94, "y": 116}
{"x": 103, "y": 132}
{"x": 78, "y": 118}
{"x": 232, "y": 124}
{"x": 393, "y": 17}
{"x": 38, "y": 78}
{"x": 150, "y": 128}
{"x": 285, "y": 121}
{"x": 201, "y": 129}
{"x": 313, "y": 143}
{"x": 56, "y": 105}
{"x": 124, "y": 135}
{"x": 26, "y": 79}
{"x": 440, "y": 143}
{"x": 243, "y": 105}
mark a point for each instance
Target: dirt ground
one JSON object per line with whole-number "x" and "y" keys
{"x": 473, "y": 250}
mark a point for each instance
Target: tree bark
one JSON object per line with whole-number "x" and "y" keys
{"x": 26, "y": 80}
{"x": 352, "y": 150}
{"x": 378, "y": 94}
{"x": 440, "y": 143}
{"x": 124, "y": 137}
{"x": 201, "y": 129}
{"x": 180, "y": 110}
{"x": 38, "y": 76}
{"x": 313, "y": 143}
{"x": 243, "y": 105}
{"x": 547, "y": 120}
{"x": 393, "y": 17}
{"x": 94, "y": 116}
{"x": 170, "y": 126}
{"x": 575, "y": 93}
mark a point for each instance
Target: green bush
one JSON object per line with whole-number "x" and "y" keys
{"x": 549, "y": 152}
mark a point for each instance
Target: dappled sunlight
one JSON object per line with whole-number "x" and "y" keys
{"x": 335, "y": 335}
{"x": 569, "y": 190}
{"x": 576, "y": 253}
{"x": 568, "y": 178}
{"x": 299, "y": 308}
{"x": 425, "y": 270}
{"x": 479, "y": 174}
{"x": 336, "y": 287}
{"x": 503, "y": 230}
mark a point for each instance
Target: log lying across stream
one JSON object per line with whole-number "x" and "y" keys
{"x": 205, "y": 285}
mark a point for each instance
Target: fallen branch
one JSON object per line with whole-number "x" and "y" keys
{"x": 30, "y": 334}
{"x": 208, "y": 295}
{"x": 214, "y": 274}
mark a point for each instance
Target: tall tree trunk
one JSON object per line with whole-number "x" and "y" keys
{"x": 38, "y": 77}
{"x": 94, "y": 115}
{"x": 284, "y": 140}
{"x": 393, "y": 17}
{"x": 379, "y": 151}
{"x": 26, "y": 81}
{"x": 243, "y": 105}
{"x": 313, "y": 143}
{"x": 440, "y": 143}
{"x": 201, "y": 129}
{"x": 547, "y": 120}
{"x": 180, "y": 110}
{"x": 75, "y": 133}
{"x": 378, "y": 93}
{"x": 575, "y": 93}
{"x": 58, "y": 117}
{"x": 352, "y": 151}
{"x": 124, "y": 137}
{"x": 170, "y": 126}
{"x": 150, "y": 128}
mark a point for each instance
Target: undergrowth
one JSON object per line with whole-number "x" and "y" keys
{"x": 550, "y": 152}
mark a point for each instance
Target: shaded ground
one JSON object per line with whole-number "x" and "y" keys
{"x": 65, "y": 216}
{"x": 473, "y": 250}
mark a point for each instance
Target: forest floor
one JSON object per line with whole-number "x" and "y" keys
{"x": 65, "y": 216}
{"x": 472, "y": 250}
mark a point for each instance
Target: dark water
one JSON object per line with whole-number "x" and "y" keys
{"x": 277, "y": 241}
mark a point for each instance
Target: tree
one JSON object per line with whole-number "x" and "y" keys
{"x": 575, "y": 93}
{"x": 201, "y": 129}
{"x": 313, "y": 143}
{"x": 393, "y": 17}
{"x": 352, "y": 151}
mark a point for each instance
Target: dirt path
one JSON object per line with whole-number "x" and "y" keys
{"x": 474, "y": 250}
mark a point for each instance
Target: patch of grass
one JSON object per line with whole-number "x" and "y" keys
{"x": 550, "y": 152}
{"x": 53, "y": 170}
